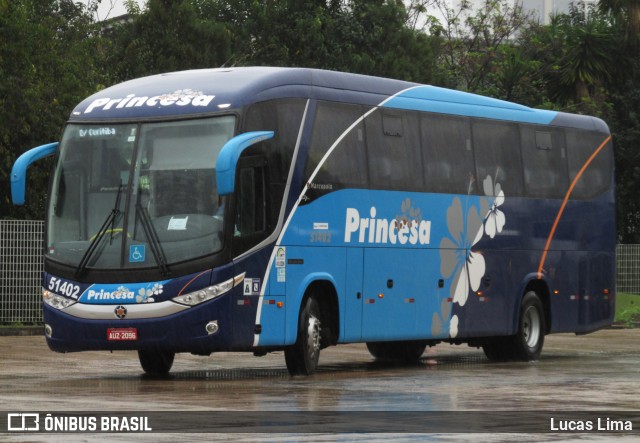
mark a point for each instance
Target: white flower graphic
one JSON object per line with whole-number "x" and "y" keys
{"x": 146, "y": 295}
{"x": 495, "y": 218}
{"x": 453, "y": 327}
{"x": 463, "y": 267}
{"x": 456, "y": 256}
{"x": 157, "y": 289}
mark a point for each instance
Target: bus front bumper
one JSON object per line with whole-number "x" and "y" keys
{"x": 199, "y": 329}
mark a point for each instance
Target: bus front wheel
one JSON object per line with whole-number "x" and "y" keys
{"x": 156, "y": 362}
{"x": 302, "y": 357}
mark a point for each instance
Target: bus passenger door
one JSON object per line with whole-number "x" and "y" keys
{"x": 352, "y": 319}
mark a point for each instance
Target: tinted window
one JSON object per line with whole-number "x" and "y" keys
{"x": 251, "y": 224}
{"x": 347, "y": 163}
{"x": 394, "y": 160}
{"x": 497, "y": 152}
{"x": 447, "y": 156}
{"x": 284, "y": 117}
{"x": 545, "y": 162}
{"x": 596, "y": 178}
{"x": 251, "y": 216}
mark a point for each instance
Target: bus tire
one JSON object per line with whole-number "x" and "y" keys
{"x": 156, "y": 362}
{"x": 302, "y": 357}
{"x": 397, "y": 351}
{"x": 526, "y": 344}
{"x": 497, "y": 349}
{"x": 528, "y": 341}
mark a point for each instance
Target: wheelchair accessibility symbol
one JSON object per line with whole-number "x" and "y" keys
{"x": 136, "y": 253}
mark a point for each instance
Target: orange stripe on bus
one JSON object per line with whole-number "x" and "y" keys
{"x": 564, "y": 203}
{"x": 191, "y": 281}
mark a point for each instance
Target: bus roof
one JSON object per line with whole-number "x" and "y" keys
{"x": 206, "y": 91}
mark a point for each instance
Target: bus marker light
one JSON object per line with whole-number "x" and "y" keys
{"x": 238, "y": 279}
{"x": 48, "y": 331}
{"x": 212, "y": 327}
{"x": 605, "y": 291}
{"x": 209, "y": 293}
{"x": 380, "y": 295}
{"x": 280, "y": 304}
{"x": 409, "y": 300}
{"x": 556, "y": 292}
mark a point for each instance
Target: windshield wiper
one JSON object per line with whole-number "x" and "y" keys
{"x": 154, "y": 241}
{"x": 107, "y": 226}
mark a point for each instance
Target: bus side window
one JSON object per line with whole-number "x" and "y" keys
{"x": 545, "y": 162}
{"x": 346, "y": 165}
{"x": 595, "y": 179}
{"x": 497, "y": 153}
{"x": 251, "y": 225}
{"x": 394, "y": 162}
{"x": 447, "y": 155}
{"x": 284, "y": 117}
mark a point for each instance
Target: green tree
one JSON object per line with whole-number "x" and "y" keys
{"x": 479, "y": 39}
{"x": 628, "y": 13}
{"x": 364, "y": 36}
{"x": 625, "y": 126}
{"x": 168, "y": 35}
{"x": 588, "y": 55}
{"x": 48, "y": 53}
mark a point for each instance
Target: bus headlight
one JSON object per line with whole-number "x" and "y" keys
{"x": 56, "y": 301}
{"x": 206, "y": 294}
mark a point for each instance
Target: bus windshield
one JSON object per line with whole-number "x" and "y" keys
{"x": 137, "y": 195}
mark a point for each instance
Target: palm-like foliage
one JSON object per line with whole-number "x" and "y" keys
{"x": 589, "y": 56}
{"x": 628, "y": 13}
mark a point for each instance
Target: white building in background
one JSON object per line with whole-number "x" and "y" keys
{"x": 543, "y": 9}
{"x": 540, "y": 9}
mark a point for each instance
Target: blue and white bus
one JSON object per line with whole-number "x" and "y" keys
{"x": 269, "y": 209}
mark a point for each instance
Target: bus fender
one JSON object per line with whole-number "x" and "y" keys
{"x": 294, "y": 306}
{"x": 531, "y": 282}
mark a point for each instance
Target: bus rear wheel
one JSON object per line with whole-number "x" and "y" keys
{"x": 530, "y": 337}
{"x": 156, "y": 362}
{"x": 397, "y": 351}
{"x": 303, "y": 356}
{"x": 526, "y": 344}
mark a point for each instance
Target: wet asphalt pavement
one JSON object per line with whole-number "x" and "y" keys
{"x": 597, "y": 372}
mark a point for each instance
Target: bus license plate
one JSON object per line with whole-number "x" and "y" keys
{"x": 122, "y": 334}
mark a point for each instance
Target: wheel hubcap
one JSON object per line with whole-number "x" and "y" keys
{"x": 531, "y": 326}
{"x": 313, "y": 336}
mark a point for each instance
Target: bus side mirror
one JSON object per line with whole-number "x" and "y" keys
{"x": 229, "y": 155}
{"x": 19, "y": 170}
